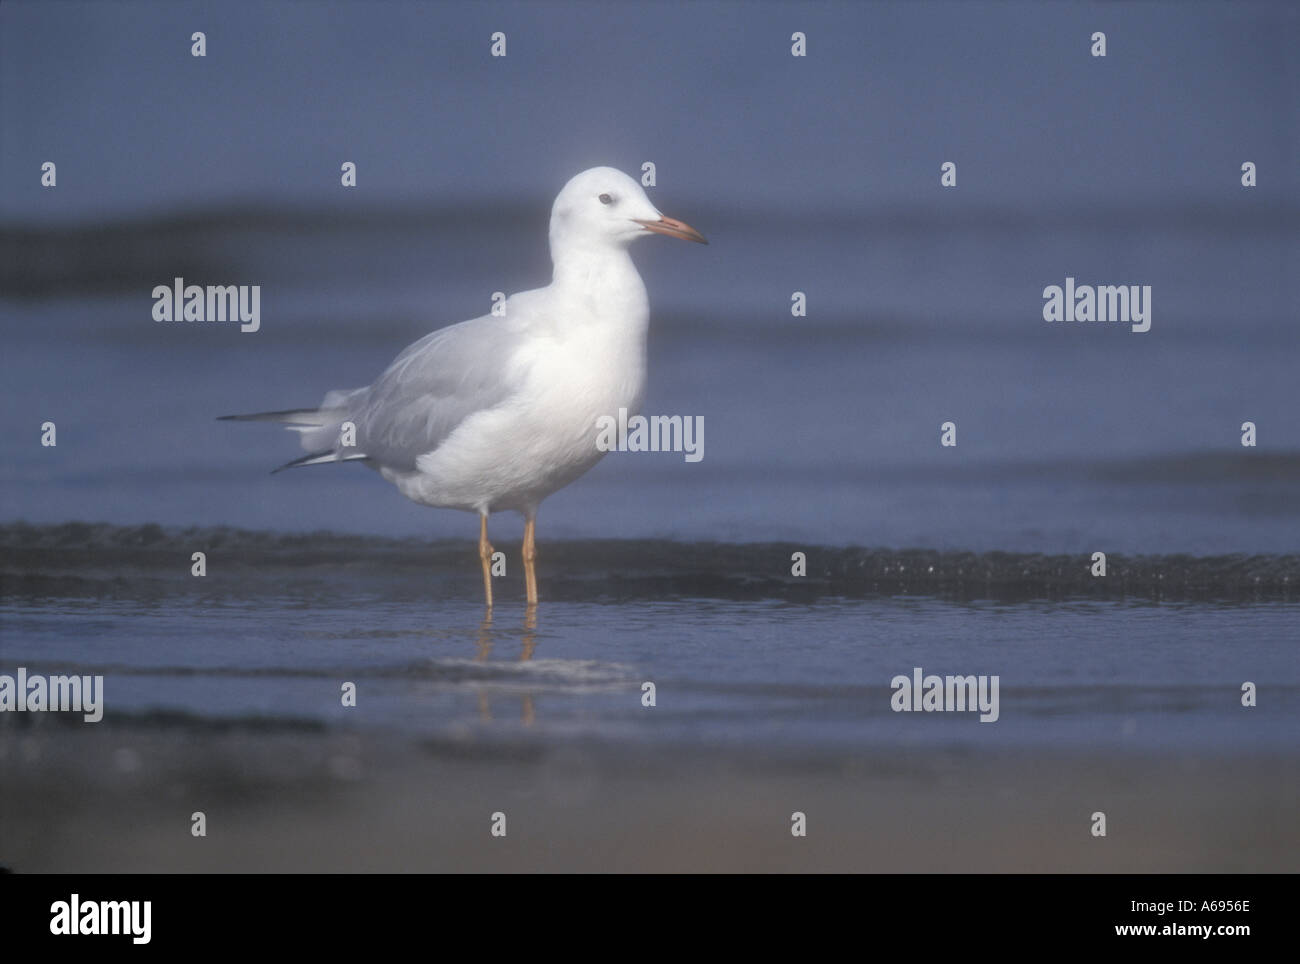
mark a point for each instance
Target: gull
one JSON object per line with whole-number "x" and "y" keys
{"x": 498, "y": 412}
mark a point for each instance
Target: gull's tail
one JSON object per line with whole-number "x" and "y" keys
{"x": 320, "y": 428}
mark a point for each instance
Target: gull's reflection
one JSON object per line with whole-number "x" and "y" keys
{"x": 483, "y": 649}
{"x": 484, "y": 640}
{"x": 530, "y": 633}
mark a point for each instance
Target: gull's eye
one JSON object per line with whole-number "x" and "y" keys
{"x": 606, "y": 199}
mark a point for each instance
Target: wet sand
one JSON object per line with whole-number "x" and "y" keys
{"x": 119, "y": 798}
{"x": 81, "y": 559}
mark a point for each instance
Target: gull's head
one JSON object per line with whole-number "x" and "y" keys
{"x": 603, "y": 207}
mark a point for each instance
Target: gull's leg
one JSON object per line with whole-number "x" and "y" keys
{"x": 530, "y": 556}
{"x": 485, "y": 556}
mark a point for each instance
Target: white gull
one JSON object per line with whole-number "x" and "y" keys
{"x": 498, "y": 412}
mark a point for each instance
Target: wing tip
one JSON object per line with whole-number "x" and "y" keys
{"x": 288, "y": 416}
{"x": 318, "y": 458}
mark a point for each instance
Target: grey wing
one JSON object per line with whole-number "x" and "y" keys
{"x": 430, "y": 388}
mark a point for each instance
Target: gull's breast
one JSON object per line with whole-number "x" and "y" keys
{"x": 544, "y": 436}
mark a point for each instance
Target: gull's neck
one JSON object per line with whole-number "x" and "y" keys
{"x": 595, "y": 270}
{"x": 597, "y": 283}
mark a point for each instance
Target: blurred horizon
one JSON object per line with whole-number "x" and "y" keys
{"x": 288, "y": 91}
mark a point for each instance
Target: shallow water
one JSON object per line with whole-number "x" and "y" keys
{"x": 742, "y": 660}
